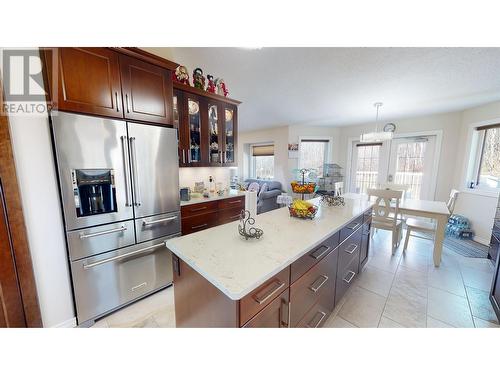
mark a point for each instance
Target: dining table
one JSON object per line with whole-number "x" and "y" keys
{"x": 436, "y": 210}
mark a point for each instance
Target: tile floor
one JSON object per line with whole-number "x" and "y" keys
{"x": 393, "y": 291}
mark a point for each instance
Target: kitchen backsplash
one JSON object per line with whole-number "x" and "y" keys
{"x": 188, "y": 176}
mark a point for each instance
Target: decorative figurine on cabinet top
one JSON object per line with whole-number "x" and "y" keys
{"x": 210, "y": 84}
{"x": 198, "y": 79}
{"x": 181, "y": 75}
{"x": 221, "y": 87}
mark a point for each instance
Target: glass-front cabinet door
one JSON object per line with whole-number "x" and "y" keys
{"x": 229, "y": 125}
{"x": 194, "y": 131}
{"x": 176, "y": 111}
{"x": 215, "y": 136}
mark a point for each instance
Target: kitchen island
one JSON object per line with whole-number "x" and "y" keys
{"x": 291, "y": 277}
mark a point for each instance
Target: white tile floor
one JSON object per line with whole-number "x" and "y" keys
{"x": 393, "y": 291}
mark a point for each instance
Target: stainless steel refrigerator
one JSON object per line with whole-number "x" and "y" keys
{"x": 119, "y": 186}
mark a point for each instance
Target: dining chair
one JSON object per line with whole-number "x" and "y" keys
{"x": 390, "y": 186}
{"x": 385, "y": 213}
{"x": 339, "y": 188}
{"x": 426, "y": 226}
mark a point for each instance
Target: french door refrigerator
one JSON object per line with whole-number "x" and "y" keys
{"x": 119, "y": 186}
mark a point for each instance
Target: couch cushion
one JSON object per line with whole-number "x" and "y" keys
{"x": 263, "y": 188}
{"x": 253, "y": 186}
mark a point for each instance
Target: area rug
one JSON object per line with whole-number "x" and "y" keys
{"x": 465, "y": 247}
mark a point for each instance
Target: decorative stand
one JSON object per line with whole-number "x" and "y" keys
{"x": 251, "y": 231}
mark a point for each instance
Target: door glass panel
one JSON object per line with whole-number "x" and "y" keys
{"x": 410, "y": 167}
{"x": 194, "y": 131}
{"x": 214, "y": 154}
{"x": 229, "y": 128}
{"x": 367, "y": 167}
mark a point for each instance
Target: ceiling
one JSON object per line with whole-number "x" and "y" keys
{"x": 338, "y": 86}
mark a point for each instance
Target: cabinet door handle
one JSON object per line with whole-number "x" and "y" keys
{"x": 220, "y": 157}
{"x": 199, "y": 226}
{"x": 260, "y": 300}
{"x": 126, "y": 101}
{"x": 353, "y": 246}
{"x": 315, "y": 254}
{"x": 198, "y": 209}
{"x": 284, "y": 323}
{"x": 176, "y": 264}
{"x": 323, "y": 279}
{"x": 349, "y": 278}
{"x": 321, "y": 317}
{"x": 116, "y": 101}
{"x": 183, "y": 156}
{"x": 353, "y": 227}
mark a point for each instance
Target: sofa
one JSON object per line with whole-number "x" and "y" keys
{"x": 266, "y": 200}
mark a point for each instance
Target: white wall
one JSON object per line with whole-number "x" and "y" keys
{"x": 42, "y": 214}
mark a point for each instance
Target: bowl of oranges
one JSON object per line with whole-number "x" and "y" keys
{"x": 302, "y": 209}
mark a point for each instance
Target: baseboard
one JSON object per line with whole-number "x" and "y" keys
{"x": 70, "y": 323}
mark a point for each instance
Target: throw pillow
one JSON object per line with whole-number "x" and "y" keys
{"x": 254, "y": 186}
{"x": 263, "y": 188}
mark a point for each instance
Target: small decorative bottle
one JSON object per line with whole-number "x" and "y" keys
{"x": 211, "y": 185}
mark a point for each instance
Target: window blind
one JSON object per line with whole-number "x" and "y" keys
{"x": 486, "y": 127}
{"x": 263, "y": 150}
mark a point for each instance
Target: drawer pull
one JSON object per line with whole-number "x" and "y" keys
{"x": 353, "y": 246}
{"x": 118, "y": 257}
{"x": 198, "y": 209}
{"x": 261, "y": 300}
{"x": 353, "y": 227}
{"x": 321, "y": 317}
{"x": 90, "y": 235}
{"x": 235, "y": 216}
{"x": 351, "y": 276}
{"x": 152, "y": 222}
{"x": 199, "y": 226}
{"x": 323, "y": 281}
{"x": 315, "y": 254}
{"x": 233, "y": 202}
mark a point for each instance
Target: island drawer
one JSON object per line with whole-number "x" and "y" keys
{"x": 304, "y": 263}
{"x": 345, "y": 279}
{"x": 227, "y": 216}
{"x": 318, "y": 314}
{"x": 351, "y": 228}
{"x": 318, "y": 281}
{"x": 349, "y": 249}
{"x": 236, "y": 202}
{"x": 260, "y": 297}
{"x": 199, "y": 222}
{"x": 198, "y": 208}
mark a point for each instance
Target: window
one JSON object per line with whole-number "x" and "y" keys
{"x": 368, "y": 155}
{"x": 488, "y": 174}
{"x": 262, "y": 163}
{"x": 313, "y": 154}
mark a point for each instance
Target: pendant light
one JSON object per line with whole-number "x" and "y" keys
{"x": 376, "y": 136}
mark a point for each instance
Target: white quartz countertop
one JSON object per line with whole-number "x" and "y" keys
{"x": 237, "y": 266}
{"x": 214, "y": 197}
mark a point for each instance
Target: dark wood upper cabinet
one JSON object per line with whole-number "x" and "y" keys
{"x": 89, "y": 81}
{"x": 147, "y": 91}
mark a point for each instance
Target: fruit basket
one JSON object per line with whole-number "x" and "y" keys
{"x": 302, "y": 209}
{"x": 303, "y": 188}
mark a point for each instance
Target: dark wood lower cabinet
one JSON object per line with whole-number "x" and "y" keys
{"x": 200, "y": 216}
{"x": 274, "y": 315}
{"x": 302, "y": 295}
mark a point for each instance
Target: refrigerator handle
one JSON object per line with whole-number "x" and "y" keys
{"x": 128, "y": 195}
{"x": 133, "y": 152}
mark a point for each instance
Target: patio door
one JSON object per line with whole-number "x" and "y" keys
{"x": 411, "y": 163}
{"x": 404, "y": 161}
